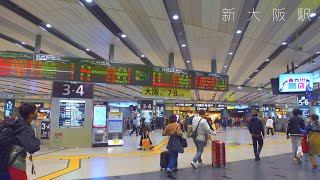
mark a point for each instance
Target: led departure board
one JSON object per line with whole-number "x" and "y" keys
{"x": 17, "y": 65}
{"x": 166, "y": 77}
{"x": 209, "y": 81}
{"x": 39, "y": 66}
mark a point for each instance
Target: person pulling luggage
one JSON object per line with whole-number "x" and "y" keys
{"x": 174, "y": 146}
{"x": 200, "y": 128}
{"x": 257, "y": 132}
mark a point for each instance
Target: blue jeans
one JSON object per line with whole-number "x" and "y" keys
{"x": 173, "y": 160}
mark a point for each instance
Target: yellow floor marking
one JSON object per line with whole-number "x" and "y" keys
{"x": 74, "y": 164}
{"x": 159, "y": 146}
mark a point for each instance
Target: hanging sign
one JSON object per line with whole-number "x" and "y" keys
{"x": 166, "y": 92}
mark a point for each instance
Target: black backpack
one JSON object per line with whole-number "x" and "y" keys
{"x": 7, "y": 134}
{"x": 8, "y": 131}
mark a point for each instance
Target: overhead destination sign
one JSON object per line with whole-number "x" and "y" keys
{"x": 166, "y": 92}
{"x": 48, "y": 67}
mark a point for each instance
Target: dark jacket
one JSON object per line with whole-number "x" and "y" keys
{"x": 25, "y": 141}
{"x": 174, "y": 143}
{"x": 294, "y": 125}
{"x": 256, "y": 126}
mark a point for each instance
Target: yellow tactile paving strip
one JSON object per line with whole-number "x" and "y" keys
{"x": 74, "y": 161}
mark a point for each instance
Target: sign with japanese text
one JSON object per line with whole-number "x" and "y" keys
{"x": 45, "y": 130}
{"x": 296, "y": 82}
{"x": 147, "y": 105}
{"x": 166, "y": 92}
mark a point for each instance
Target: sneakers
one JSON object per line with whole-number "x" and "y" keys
{"x": 169, "y": 174}
{"x": 257, "y": 157}
{"x": 200, "y": 164}
{"x": 298, "y": 159}
{"x": 194, "y": 165}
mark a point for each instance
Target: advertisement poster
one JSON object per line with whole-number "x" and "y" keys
{"x": 100, "y": 116}
{"x": 72, "y": 113}
{"x": 115, "y": 128}
{"x": 296, "y": 82}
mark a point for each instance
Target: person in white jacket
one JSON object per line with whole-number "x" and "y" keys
{"x": 269, "y": 125}
{"x": 201, "y": 126}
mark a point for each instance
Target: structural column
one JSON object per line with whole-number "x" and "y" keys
{"x": 171, "y": 60}
{"x": 214, "y": 66}
{"x": 37, "y": 45}
{"x": 111, "y": 53}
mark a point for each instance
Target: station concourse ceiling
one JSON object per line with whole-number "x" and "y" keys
{"x": 152, "y": 31}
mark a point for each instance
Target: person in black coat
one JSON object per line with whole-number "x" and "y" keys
{"x": 256, "y": 129}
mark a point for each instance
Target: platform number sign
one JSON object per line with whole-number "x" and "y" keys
{"x": 72, "y": 90}
{"x": 146, "y": 105}
{"x": 302, "y": 101}
{"x": 45, "y": 130}
{"x": 265, "y": 108}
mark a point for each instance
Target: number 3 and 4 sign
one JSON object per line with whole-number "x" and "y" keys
{"x": 72, "y": 90}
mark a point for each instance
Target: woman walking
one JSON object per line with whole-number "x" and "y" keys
{"x": 144, "y": 132}
{"x": 174, "y": 146}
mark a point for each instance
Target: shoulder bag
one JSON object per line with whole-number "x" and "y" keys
{"x": 195, "y": 132}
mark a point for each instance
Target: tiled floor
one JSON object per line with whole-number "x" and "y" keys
{"x": 127, "y": 162}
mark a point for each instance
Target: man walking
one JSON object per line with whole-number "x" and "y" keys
{"x": 200, "y": 128}
{"x": 293, "y": 130}
{"x": 257, "y": 132}
{"x": 134, "y": 126}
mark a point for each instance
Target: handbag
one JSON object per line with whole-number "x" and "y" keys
{"x": 195, "y": 132}
{"x": 184, "y": 142}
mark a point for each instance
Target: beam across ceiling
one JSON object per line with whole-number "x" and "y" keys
{"x": 300, "y": 30}
{"x": 43, "y": 25}
{"x": 19, "y": 43}
{"x": 99, "y": 13}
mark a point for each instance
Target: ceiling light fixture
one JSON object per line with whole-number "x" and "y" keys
{"x": 188, "y": 61}
{"x": 18, "y": 44}
{"x": 230, "y": 53}
{"x": 318, "y": 52}
{"x": 284, "y": 43}
{"x": 256, "y": 70}
{"x": 87, "y": 49}
{"x": 248, "y": 78}
{"x": 312, "y": 15}
{"x": 48, "y": 25}
{"x": 183, "y": 45}
{"x": 23, "y": 43}
{"x": 239, "y": 87}
{"x": 142, "y": 55}
{"x": 225, "y": 66}
{"x": 297, "y": 65}
{"x": 123, "y": 36}
{"x": 175, "y": 17}
{"x": 267, "y": 60}
{"x": 238, "y": 32}
{"x": 88, "y": 1}
{"x": 259, "y": 89}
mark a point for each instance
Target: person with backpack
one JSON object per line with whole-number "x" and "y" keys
{"x": 200, "y": 128}
{"x": 256, "y": 130}
{"x": 174, "y": 146}
{"x": 24, "y": 142}
{"x": 293, "y": 131}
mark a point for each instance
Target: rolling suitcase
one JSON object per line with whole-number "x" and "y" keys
{"x": 218, "y": 154}
{"x": 165, "y": 159}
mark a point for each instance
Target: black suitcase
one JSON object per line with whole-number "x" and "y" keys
{"x": 165, "y": 159}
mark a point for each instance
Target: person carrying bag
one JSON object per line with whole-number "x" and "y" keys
{"x": 175, "y": 145}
